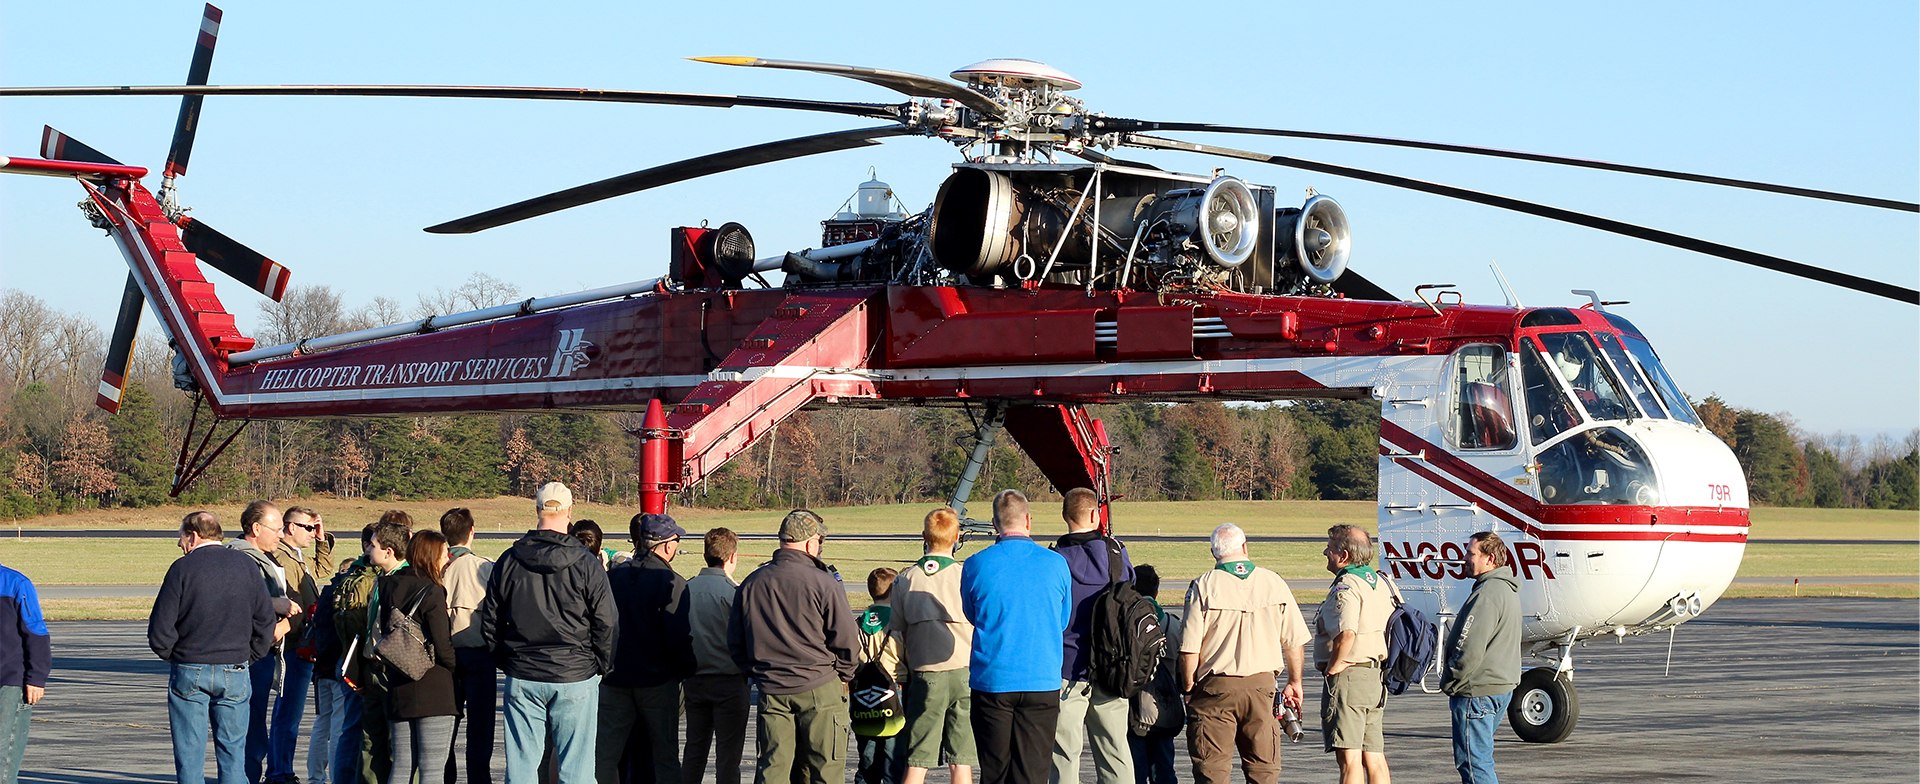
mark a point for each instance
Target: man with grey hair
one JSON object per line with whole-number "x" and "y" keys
{"x": 1243, "y": 629}
{"x": 1350, "y": 645}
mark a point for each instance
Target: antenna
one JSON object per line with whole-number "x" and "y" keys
{"x": 1513, "y": 299}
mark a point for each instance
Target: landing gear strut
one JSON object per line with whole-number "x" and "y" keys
{"x": 1545, "y": 706}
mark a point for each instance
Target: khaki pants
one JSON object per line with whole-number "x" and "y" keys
{"x": 1088, "y": 710}
{"x": 1233, "y": 712}
{"x": 807, "y": 729}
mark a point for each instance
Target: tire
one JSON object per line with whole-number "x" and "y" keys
{"x": 1544, "y": 708}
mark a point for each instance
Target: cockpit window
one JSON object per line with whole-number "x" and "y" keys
{"x": 1669, "y": 391}
{"x": 1628, "y": 374}
{"x": 1549, "y": 412}
{"x": 1482, "y": 412}
{"x": 1573, "y": 355}
{"x": 1598, "y": 466}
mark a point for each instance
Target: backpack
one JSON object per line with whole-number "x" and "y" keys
{"x": 874, "y": 703}
{"x": 1412, "y": 641}
{"x": 1127, "y": 640}
{"x": 352, "y": 590}
{"x": 1157, "y": 711}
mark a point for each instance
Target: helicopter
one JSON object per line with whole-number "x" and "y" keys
{"x": 1050, "y": 272}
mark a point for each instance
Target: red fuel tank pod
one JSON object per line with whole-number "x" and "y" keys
{"x": 653, "y": 460}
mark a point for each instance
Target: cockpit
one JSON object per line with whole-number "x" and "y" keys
{"x": 1583, "y": 381}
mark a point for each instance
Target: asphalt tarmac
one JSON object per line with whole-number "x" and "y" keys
{"x": 1761, "y": 690}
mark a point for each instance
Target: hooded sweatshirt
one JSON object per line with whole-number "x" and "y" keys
{"x": 1086, "y": 555}
{"x": 549, "y": 615}
{"x": 1483, "y": 647}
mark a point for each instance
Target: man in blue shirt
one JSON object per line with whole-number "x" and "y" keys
{"x": 1018, "y": 597}
{"x": 25, "y": 658}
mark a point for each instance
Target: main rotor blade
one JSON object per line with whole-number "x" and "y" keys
{"x": 113, "y": 379}
{"x": 898, "y": 81}
{"x": 1811, "y": 193}
{"x": 238, "y": 261}
{"x": 1774, "y": 263}
{"x": 668, "y": 174}
{"x": 880, "y": 111}
{"x": 189, "y": 121}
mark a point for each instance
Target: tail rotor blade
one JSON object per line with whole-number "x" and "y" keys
{"x": 184, "y": 128}
{"x": 668, "y": 174}
{"x": 113, "y": 380}
{"x": 57, "y": 146}
{"x": 238, "y": 261}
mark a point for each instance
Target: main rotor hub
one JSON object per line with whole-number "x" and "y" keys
{"x": 1015, "y": 73}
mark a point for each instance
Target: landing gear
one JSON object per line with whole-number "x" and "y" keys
{"x": 1545, "y": 707}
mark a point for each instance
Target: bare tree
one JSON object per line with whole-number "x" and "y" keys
{"x": 480, "y": 291}
{"x": 26, "y": 348}
{"x": 378, "y": 313}
{"x": 305, "y": 312}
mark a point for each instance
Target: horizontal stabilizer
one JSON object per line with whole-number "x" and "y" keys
{"x": 57, "y": 146}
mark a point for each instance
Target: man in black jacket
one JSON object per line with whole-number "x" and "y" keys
{"x": 793, "y": 632}
{"x": 550, "y": 621}
{"x": 640, "y": 699}
{"x": 211, "y": 619}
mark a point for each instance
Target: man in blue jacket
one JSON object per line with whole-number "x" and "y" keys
{"x": 1018, "y": 597}
{"x": 1084, "y": 705}
{"x": 25, "y": 656}
{"x": 211, "y": 619}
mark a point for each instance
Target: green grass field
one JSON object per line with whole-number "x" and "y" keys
{"x": 74, "y": 561}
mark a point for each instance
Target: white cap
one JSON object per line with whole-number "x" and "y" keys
{"x": 553, "y": 497}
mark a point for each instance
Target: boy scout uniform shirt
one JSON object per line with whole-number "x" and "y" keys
{"x": 1354, "y": 603}
{"x": 1236, "y": 613}
{"x": 928, "y": 618}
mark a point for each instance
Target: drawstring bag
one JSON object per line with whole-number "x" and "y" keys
{"x": 405, "y": 644}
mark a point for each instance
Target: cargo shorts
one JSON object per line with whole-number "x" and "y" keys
{"x": 1353, "y": 709}
{"x": 939, "y": 719}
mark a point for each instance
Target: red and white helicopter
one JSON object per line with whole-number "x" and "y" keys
{"x": 1046, "y": 276}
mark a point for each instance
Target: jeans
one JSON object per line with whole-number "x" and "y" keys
{"x": 882, "y": 760}
{"x": 634, "y": 719}
{"x": 1083, "y": 707}
{"x": 203, "y": 699}
{"x": 567, "y": 712}
{"x": 287, "y": 713}
{"x": 15, "y": 714}
{"x": 475, "y": 685}
{"x": 1152, "y": 760}
{"x": 1474, "y": 720}
{"x": 717, "y": 710}
{"x": 263, "y": 675}
{"x": 346, "y": 742}
{"x": 421, "y": 744}
{"x": 329, "y": 714}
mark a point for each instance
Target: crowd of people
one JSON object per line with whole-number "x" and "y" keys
{"x": 997, "y": 662}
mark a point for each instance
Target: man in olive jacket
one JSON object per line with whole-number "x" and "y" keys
{"x": 1483, "y": 658}
{"x": 793, "y": 632}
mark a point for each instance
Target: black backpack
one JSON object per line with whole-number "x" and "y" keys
{"x": 874, "y": 703}
{"x": 1127, "y": 640}
{"x": 1412, "y": 641}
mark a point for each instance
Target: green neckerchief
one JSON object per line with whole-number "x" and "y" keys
{"x": 1158, "y": 611}
{"x": 459, "y": 550}
{"x": 373, "y": 602}
{"x": 1367, "y": 572}
{"x": 1240, "y": 569}
{"x": 932, "y": 564}
{"x": 875, "y": 619}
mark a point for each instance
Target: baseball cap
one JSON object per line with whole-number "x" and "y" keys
{"x": 801, "y": 525}
{"x": 657, "y": 528}
{"x": 553, "y": 497}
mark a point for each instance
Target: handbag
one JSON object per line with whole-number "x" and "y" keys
{"x": 405, "y": 645}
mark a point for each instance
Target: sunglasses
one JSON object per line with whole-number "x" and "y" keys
{"x": 315, "y": 528}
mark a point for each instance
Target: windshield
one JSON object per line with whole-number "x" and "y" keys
{"x": 1593, "y": 383}
{"x": 1629, "y": 374}
{"x": 1598, "y": 466}
{"x": 1669, "y": 391}
{"x": 1548, "y": 410}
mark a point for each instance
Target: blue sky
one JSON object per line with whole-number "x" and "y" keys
{"x": 1823, "y": 96}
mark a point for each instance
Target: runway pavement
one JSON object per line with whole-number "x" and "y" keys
{"x": 1762, "y": 690}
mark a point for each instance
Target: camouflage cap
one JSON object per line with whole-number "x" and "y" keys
{"x": 801, "y": 525}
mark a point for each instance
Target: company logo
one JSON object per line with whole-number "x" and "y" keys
{"x": 873, "y": 695}
{"x": 572, "y": 353}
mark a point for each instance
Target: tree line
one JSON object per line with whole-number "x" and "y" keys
{"x": 60, "y": 453}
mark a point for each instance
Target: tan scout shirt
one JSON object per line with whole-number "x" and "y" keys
{"x": 927, "y": 616}
{"x": 709, "y": 603}
{"x": 466, "y": 580}
{"x": 1241, "y": 626}
{"x": 1353, "y": 605}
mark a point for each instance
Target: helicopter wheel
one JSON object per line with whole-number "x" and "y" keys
{"x": 1544, "y": 707}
